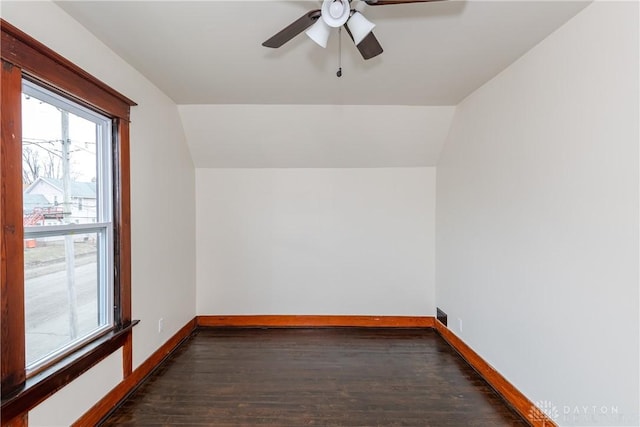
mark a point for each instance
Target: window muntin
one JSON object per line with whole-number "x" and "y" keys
{"x": 68, "y": 251}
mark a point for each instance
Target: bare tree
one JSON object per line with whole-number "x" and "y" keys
{"x": 31, "y": 165}
{"x": 52, "y": 166}
{"x": 38, "y": 160}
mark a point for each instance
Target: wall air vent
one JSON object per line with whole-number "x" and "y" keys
{"x": 442, "y": 317}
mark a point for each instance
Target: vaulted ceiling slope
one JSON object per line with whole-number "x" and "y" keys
{"x": 315, "y": 136}
{"x": 209, "y": 52}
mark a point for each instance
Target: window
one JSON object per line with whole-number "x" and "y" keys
{"x": 66, "y": 265}
{"x": 68, "y": 261}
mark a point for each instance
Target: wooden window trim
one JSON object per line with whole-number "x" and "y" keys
{"x": 43, "y": 64}
{"x": 44, "y": 384}
{"x": 23, "y": 56}
{"x": 12, "y": 230}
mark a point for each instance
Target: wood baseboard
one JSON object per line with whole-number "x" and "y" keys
{"x": 105, "y": 405}
{"x": 518, "y": 401}
{"x": 305, "y": 321}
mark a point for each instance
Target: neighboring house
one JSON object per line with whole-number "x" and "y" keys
{"x": 82, "y": 208}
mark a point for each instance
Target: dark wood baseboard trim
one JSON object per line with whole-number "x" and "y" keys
{"x": 101, "y": 409}
{"x": 305, "y": 321}
{"x": 518, "y": 401}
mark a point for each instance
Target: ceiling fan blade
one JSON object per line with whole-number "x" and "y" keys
{"x": 391, "y": 2}
{"x": 295, "y": 28}
{"x": 369, "y": 47}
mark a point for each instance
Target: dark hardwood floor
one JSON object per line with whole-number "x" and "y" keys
{"x": 319, "y": 377}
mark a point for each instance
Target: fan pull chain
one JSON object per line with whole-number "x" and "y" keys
{"x": 339, "y": 73}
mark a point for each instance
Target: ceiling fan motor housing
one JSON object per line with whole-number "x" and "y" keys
{"x": 335, "y": 12}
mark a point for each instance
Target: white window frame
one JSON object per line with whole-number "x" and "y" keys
{"x": 103, "y": 226}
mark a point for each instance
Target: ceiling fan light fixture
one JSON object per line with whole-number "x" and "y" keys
{"x": 360, "y": 27}
{"x": 335, "y": 12}
{"x": 319, "y": 32}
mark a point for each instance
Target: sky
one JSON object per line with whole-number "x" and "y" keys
{"x": 41, "y": 130}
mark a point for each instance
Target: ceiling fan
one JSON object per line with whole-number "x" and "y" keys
{"x": 334, "y": 14}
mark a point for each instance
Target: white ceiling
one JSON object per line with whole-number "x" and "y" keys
{"x": 209, "y": 52}
{"x": 246, "y": 106}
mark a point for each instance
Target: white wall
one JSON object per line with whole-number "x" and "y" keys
{"x": 162, "y": 205}
{"x": 537, "y": 219}
{"x": 315, "y": 241}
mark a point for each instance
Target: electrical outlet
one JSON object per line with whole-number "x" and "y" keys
{"x": 460, "y": 324}
{"x": 160, "y": 325}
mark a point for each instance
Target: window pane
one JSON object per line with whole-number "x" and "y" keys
{"x": 59, "y": 162}
{"x": 63, "y": 303}
{"x": 66, "y": 163}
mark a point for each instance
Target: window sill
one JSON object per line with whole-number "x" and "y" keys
{"x": 44, "y": 384}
